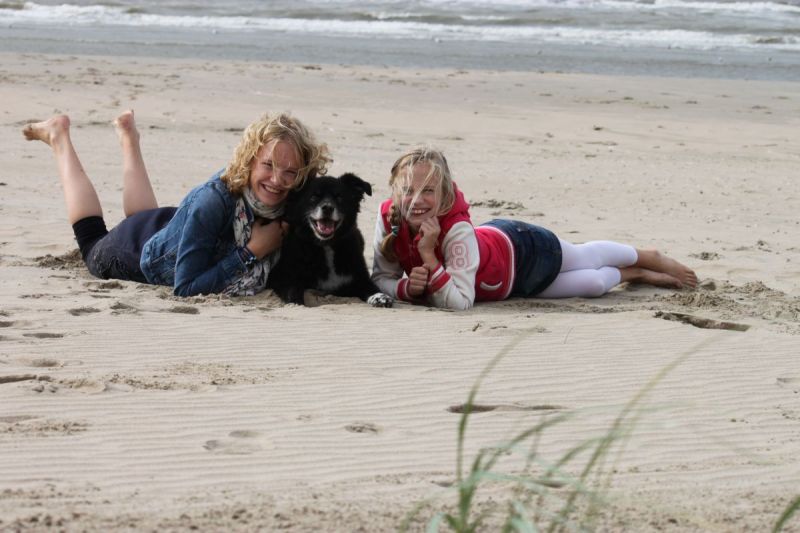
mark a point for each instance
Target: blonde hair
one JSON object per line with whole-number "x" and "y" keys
{"x": 402, "y": 171}
{"x": 314, "y": 156}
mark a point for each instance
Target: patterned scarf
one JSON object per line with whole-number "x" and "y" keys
{"x": 254, "y": 279}
{"x": 260, "y": 208}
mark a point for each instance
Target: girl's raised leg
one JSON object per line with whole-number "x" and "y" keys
{"x": 137, "y": 192}
{"x": 79, "y": 193}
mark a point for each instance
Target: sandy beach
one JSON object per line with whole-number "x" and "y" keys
{"x": 125, "y": 408}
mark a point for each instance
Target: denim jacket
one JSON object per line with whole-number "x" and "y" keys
{"x": 196, "y": 251}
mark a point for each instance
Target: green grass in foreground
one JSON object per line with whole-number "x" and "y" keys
{"x": 787, "y": 514}
{"x": 543, "y": 495}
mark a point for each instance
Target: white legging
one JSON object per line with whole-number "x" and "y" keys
{"x": 589, "y": 270}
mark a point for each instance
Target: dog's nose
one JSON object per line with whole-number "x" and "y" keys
{"x": 327, "y": 210}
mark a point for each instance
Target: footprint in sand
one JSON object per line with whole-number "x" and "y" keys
{"x": 363, "y": 427}
{"x": 790, "y": 383}
{"x": 485, "y": 408}
{"x": 45, "y": 387}
{"x": 41, "y": 383}
{"x": 40, "y": 362}
{"x": 43, "y": 335}
{"x": 120, "y": 308}
{"x": 103, "y": 286}
{"x": 184, "y": 309}
{"x": 239, "y": 442}
{"x": 14, "y": 378}
{"x": 13, "y": 419}
{"x": 706, "y": 256}
{"x": 30, "y": 426}
{"x": 78, "y": 311}
{"x": 698, "y": 322}
{"x": 82, "y": 385}
{"x": 708, "y": 285}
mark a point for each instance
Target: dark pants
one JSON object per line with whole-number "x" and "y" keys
{"x": 115, "y": 254}
{"x": 537, "y": 256}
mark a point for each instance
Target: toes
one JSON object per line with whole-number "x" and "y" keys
{"x": 35, "y": 132}
{"x": 125, "y": 120}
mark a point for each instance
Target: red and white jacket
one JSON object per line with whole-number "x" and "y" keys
{"x": 474, "y": 263}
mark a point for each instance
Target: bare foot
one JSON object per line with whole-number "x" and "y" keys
{"x": 47, "y": 131}
{"x": 126, "y": 127}
{"x": 660, "y": 263}
{"x": 651, "y": 277}
{"x": 660, "y": 279}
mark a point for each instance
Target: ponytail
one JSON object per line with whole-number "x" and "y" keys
{"x": 387, "y": 245}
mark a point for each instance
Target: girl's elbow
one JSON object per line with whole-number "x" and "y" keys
{"x": 459, "y": 305}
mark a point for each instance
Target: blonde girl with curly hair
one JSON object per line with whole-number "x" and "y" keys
{"x": 225, "y": 235}
{"x": 426, "y": 249}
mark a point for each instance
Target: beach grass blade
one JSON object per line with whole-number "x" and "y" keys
{"x": 522, "y": 514}
{"x": 787, "y": 514}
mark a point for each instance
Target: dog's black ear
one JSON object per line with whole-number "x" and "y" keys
{"x": 351, "y": 180}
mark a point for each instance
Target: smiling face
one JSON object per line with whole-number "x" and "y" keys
{"x": 273, "y": 172}
{"x": 326, "y": 208}
{"x": 419, "y": 194}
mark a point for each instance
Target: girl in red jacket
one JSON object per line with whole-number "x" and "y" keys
{"x": 424, "y": 231}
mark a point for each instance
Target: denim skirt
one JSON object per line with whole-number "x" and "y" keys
{"x": 116, "y": 254}
{"x": 537, "y": 256}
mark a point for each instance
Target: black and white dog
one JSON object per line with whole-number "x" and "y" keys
{"x": 324, "y": 248}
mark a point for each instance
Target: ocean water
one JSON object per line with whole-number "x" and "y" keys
{"x": 720, "y": 38}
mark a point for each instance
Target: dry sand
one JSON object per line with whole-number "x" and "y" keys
{"x": 122, "y": 407}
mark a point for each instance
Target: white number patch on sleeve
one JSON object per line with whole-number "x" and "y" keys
{"x": 458, "y": 255}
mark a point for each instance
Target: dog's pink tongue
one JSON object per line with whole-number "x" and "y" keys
{"x": 325, "y": 227}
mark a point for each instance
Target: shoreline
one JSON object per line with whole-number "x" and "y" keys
{"x": 402, "y": 53}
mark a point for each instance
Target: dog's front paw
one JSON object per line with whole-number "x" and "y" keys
{"x": 380, "y": 300}
{"x": 292, "y": 295}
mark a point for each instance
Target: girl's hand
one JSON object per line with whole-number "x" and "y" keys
{"x": 429, "y": 235}
{"x": 266, "y": 238}
{"x": 417, "y": 281}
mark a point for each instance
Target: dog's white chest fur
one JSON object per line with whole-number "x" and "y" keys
{"x": 333, "y": 281}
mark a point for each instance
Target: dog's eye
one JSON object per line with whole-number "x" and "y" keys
{"x": 314, "y": 197}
